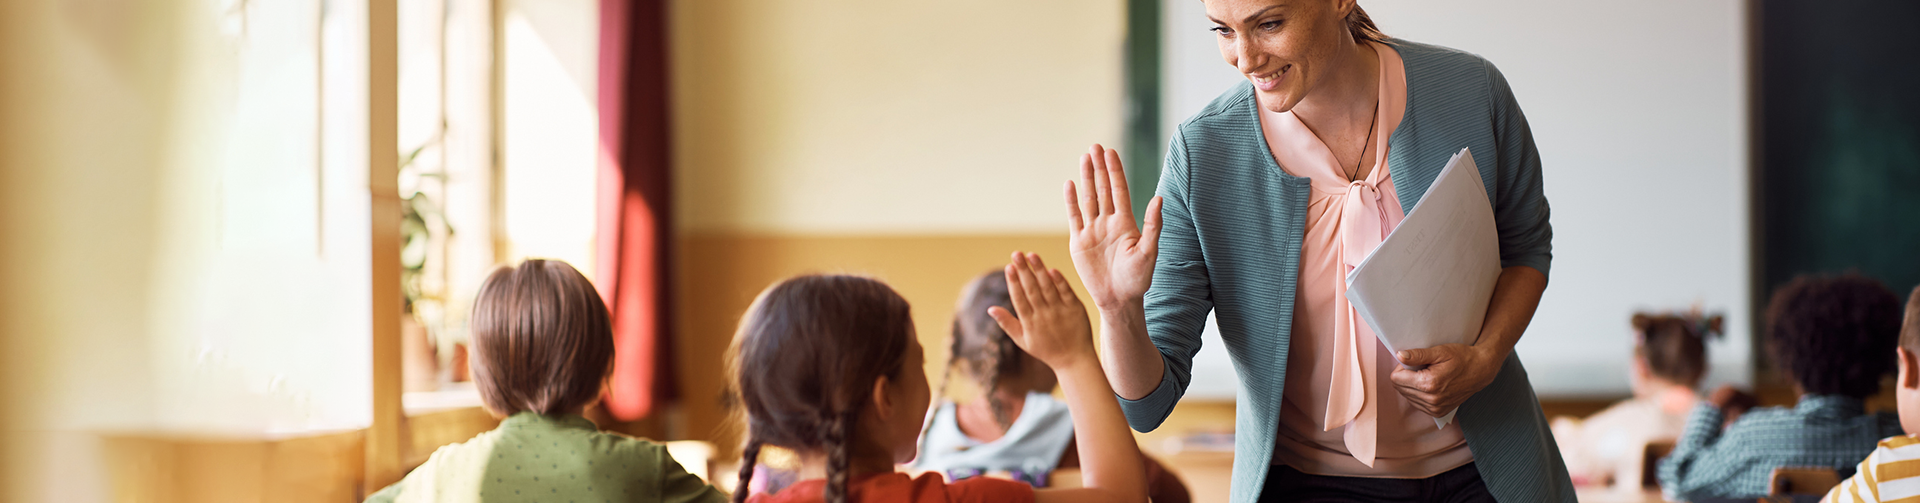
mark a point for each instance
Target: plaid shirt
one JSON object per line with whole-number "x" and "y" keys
{"x": 1822, "y": 430}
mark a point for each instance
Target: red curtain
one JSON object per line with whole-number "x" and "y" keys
{"x": 635, "y": 224}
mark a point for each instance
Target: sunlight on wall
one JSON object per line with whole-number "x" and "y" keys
{"x": 551, "y": 130}
{"x": 191, "y": 264}
{"x": 261, "y": 307}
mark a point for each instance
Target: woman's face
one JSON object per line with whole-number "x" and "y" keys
{"x": 1285, "y": 47}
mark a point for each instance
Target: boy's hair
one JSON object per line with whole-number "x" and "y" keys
{"x": 1674, "y": 346}
{"x": 804, "y": 362}
{"x": 541, "y": 339}
{"x": 980, "y": 345}
{"x": 1830, "y": 333}
{"x": 1910, "y": 328}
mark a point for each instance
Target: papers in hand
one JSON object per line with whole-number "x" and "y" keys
{"x": 1429, "y": 282}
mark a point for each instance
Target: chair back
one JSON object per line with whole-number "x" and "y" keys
{"x": 1798, "y": 480}
{"x": 1650, "y": 463}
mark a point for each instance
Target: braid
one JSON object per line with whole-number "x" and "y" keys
{"x": 836, "y": 440}
{"x": 748, "y": 458}
{"x": 991, "y": 362}
{"x": 946, "y": 376}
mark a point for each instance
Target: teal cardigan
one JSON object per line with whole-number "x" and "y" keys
{"x": 1232, "y": 229}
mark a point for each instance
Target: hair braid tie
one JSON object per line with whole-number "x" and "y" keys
{"x": 748, "y": 458}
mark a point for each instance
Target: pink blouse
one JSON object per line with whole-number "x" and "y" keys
{"x": 1340, "y": 414}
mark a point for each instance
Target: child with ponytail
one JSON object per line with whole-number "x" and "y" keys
{"x": 1669, "y": 359}
{"x": 1014, "y": 425}
{"x": 829, "y": 367}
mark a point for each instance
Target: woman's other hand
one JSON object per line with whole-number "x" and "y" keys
{"x": 1048, "y": 321}
{"x": 1452, "y": 374}
{"x": 1112, "y": 255}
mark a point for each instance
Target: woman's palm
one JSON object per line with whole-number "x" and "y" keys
{"x": 1114, "y": 258}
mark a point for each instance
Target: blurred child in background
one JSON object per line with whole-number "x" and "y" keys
{"x": 829, "y": 367}
{"x": 542, "y": 351}
{"x": 1669, "y": 359}
{"x": 1890, "y": 474}
{"x": 1832, "y": 335}
{"x": 1013, "y": 425}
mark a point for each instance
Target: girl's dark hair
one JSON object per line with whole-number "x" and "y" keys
{"x": 1674, "y": 346}
{"x": 1362, "y": 26}
{"x": 541, "y": 339}
{"x": 804, "y": 362}
{"x": 1833, "y": 333}
{"x": 980, "y": 345}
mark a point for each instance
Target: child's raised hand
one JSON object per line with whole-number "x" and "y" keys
{"x": 1051, "y": 323}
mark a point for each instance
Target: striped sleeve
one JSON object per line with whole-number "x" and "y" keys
{"x": 1858, "y": 488}
{"x": 1890, "y": 475}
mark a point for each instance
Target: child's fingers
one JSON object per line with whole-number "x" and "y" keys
{"x": 1065, "y": 290}
{"x": 1014, "y": 289}
{"x": 1040, "y": 291}
{"x": 1041, "y": 278}
{"x": 1029, "y": 286}
{"x": 1007, "y": 322}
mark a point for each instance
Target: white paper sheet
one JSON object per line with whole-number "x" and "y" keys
{"x": 1430, "y": 281}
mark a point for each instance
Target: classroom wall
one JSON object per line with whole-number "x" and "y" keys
{"x": 919, "y": 142}
{"x": 1639, "y": 111}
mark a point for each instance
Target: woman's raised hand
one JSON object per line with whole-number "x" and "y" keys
{"x": 1048, "y": 321}
{"x": 1114, "y": 257}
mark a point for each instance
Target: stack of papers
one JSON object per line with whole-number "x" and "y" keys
{"x": 1429, "y": 282}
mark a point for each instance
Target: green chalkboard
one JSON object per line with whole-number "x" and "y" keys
{"x": 1839, "y": 151}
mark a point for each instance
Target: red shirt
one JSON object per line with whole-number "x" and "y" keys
{"x": 927, "y": 488}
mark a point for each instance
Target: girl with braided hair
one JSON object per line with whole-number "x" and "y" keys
{"x": 829, "y": 367}
{"x": 1014, "y": 425}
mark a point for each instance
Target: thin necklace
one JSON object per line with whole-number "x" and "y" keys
{"x": 1363, "y": 144}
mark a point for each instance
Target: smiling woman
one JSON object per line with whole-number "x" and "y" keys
{"x": 1337, "y": 131}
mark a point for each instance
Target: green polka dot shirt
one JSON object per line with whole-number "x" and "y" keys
{"x": 562, "y": 459}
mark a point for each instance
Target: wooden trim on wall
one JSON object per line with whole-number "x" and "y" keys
{"x": 386, "y": 441}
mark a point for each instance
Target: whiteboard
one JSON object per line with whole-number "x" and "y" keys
{"x": 1641, "y": 124}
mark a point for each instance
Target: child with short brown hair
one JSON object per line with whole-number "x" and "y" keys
{"x": 542, "y": 352}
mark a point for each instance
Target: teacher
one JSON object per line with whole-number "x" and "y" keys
{"x": 1270, "y": 195}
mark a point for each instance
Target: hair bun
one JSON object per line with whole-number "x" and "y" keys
{"x": 1713, "y": 326}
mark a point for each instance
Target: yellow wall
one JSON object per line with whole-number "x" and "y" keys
{"x": 897, "y": 117}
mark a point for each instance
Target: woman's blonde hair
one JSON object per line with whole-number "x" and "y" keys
{"x": 1362, "y": 26}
